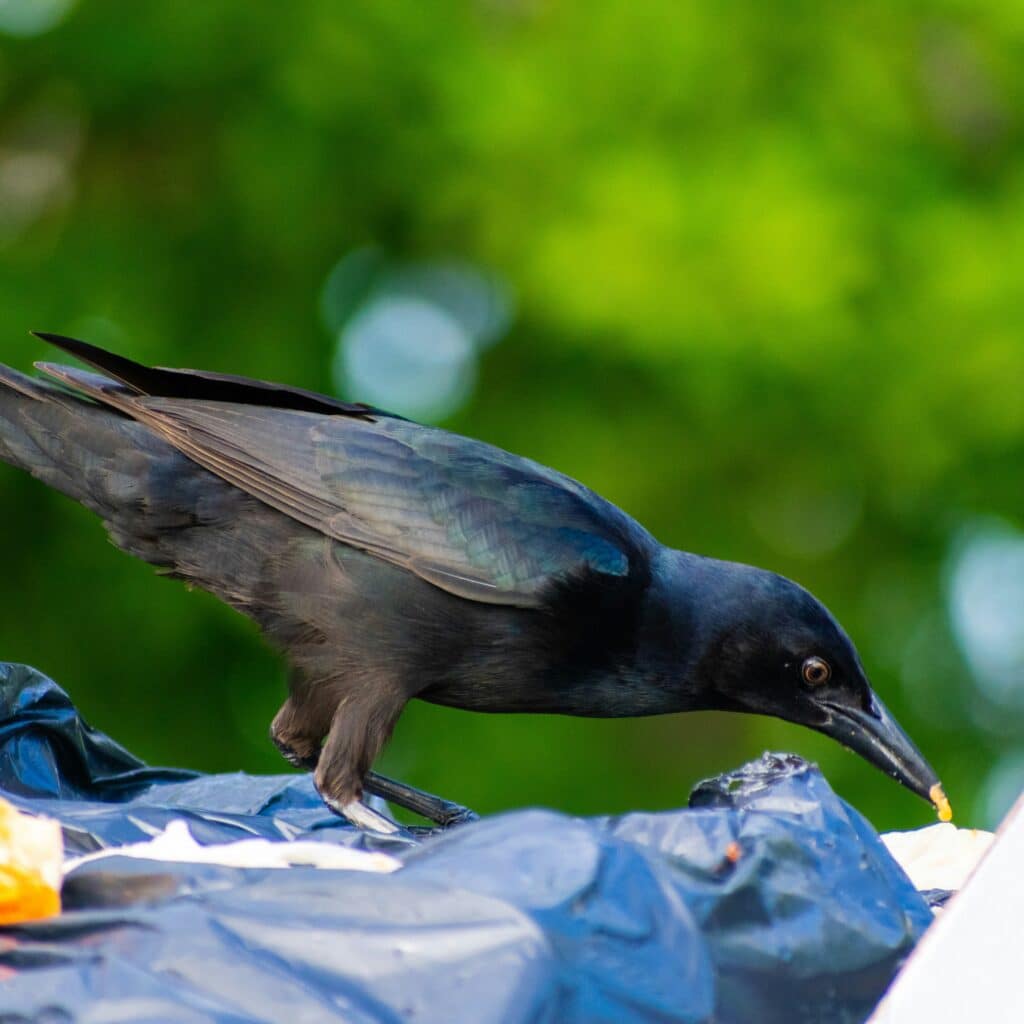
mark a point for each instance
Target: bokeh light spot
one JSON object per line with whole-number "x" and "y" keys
{"x": 985, "y": 597}
{"x": 409, "y": 334}
{"x": 32, "y": 17}
{"x": 407, "y": 356}
{"x": 1002, "y": 786}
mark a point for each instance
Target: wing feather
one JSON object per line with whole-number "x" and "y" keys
{"x": 465, "y": 516}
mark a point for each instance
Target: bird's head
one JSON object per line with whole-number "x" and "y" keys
{"x": 772, "y": 648}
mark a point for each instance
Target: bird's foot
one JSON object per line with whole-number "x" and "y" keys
{"x": 442, "y": 812}
{"x": 458, "y": 816}
{"x": 363, "y": 817}
{"x": 306, "y": 762}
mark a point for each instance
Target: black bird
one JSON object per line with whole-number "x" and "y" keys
{"x": 389, "y": 560}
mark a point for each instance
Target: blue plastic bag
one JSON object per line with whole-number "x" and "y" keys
{"x": 770, "y": 899}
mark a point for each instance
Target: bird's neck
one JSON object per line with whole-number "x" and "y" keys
{"x": 682, "y": 610}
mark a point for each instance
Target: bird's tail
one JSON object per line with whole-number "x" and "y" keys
{"x": 49, "y": 433}
{"x": 155, "y": 502}
{"x": 100, "y": 458}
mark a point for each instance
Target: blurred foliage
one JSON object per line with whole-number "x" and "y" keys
{"x": 767, "y": 261}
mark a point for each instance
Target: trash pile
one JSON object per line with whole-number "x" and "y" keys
{"x": 768, "y": 899}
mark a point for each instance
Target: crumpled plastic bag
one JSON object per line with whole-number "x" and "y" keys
{"x": 770, "y": 899}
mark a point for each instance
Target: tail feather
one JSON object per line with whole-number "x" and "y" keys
{"x": 81, "y": 382}
{"x": 37, "y": 420}
{"x": 37, "y": 417}
{"x": 24, "y": 385}
{"x": 139, "y": 378}
{"x": 155, "y": 502}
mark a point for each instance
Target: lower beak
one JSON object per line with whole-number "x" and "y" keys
{"x": 878, "y": 738}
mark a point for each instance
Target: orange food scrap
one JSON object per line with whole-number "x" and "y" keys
{"x": 31, "y": 852}
{"x": 733, "y": 852}
{"x": 24, "y": 896}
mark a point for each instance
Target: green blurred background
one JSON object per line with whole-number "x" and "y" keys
{"x": 752, "y": 271}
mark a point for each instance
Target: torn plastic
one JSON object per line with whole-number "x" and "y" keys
{"x": 770, "y": 899}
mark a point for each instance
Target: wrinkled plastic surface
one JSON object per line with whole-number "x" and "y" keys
{"x": 769, "y": 899}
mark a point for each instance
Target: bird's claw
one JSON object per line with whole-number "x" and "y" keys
{"x": 293, "y": 757}
{"x": 457, "y": 816}
{"x": 357, "y": 813}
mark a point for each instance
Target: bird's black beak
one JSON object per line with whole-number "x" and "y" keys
{"x": 878, "y": 738}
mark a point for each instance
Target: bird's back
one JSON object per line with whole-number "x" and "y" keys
{"x": 353, "y": 537}
{"x": 467, "y": 517}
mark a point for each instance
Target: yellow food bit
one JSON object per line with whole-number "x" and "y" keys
{"x": 941, "y": 801}
{"x": 24, "y": 896}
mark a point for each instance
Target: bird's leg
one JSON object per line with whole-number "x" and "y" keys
{"x": 442, "y": 812}
{"x": 360, "y": 727}
{"x": 303, "y": 752}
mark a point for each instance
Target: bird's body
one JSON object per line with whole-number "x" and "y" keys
{"x": 390, "y": 560}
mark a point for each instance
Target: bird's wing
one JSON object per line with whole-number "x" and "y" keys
{"x": 469, "y": 518}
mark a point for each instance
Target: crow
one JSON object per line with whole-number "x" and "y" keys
{"x": 389, "y": 560}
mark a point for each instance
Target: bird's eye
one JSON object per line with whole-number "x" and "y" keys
{"x": 816, "y": 671}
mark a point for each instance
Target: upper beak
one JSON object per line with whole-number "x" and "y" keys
{"x": 877, "y": 737}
